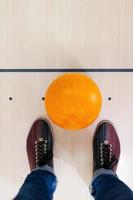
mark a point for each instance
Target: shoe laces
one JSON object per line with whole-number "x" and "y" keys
{"x": 107, "y": 159}
{"x": 43, "y": 155}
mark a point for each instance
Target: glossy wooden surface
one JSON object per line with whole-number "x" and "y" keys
{"x": 65, "y": 33}
{"x": 73, "y": 152}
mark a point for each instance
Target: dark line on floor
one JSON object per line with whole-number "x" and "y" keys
{"x": 67, "y": 70}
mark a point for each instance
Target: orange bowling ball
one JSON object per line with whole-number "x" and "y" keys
{"x": 73, "y": 101}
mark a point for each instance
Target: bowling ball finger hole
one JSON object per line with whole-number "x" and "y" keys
{"x": 43, "y": 98}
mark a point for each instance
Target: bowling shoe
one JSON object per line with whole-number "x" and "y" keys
{"x": 106, "y": 147}
{"x": 40, "y": 144}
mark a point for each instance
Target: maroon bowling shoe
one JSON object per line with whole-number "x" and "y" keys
{"x": 106, "y": 147}
{"x": 40, "y": 144}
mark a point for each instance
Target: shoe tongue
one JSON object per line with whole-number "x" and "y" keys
{"x": 106, "y": 142}
{"x": 40, "y": 139}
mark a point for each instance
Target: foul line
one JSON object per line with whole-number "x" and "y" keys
{"x": 68, "y": 70}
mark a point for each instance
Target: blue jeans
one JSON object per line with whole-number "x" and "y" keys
{"x": 41, "y": 184}
{"x": 106, "y": 186}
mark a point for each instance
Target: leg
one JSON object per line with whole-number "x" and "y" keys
{"x": 108, "y": 186}
{"x": 106, "y": 151}
{"x": 41, "y": 183}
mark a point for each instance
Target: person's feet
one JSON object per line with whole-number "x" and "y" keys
{"x": 40, "y": 144}
{"x": 106, "y": 147}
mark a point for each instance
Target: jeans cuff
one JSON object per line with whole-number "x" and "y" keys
{"x": 45, "y": 168}
{"x": 97, "y": 174}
